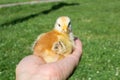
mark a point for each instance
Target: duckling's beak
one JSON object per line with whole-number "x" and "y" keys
{"x": 65, "y": 29}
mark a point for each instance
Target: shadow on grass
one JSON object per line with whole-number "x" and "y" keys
{"x": 53, "y": 8}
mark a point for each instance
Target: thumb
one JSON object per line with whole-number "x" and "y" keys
{"x": 78, "y": 48}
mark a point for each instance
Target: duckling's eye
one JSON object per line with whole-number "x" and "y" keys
{"x": 69, "y": 24}
{"x": 59, "y": 25}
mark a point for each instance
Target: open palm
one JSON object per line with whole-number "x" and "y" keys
{"x": 34, "y": 68}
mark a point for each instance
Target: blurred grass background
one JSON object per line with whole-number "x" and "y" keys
{"x": 96, "y": 23}
{"x": 13, "y": 1}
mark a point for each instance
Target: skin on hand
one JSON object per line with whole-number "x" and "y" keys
{"x": 34, "y": 68}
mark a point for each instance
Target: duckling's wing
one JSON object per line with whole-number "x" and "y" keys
{"x": 59, "y": 47}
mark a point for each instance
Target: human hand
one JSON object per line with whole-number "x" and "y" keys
{"x": 34, "y": 68}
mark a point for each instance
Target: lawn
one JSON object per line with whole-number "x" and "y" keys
{"x": 95, "y": 22}
{"x": 12, "y": 1}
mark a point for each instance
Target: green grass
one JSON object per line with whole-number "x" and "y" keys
{"x": 12, "y": 1}
{"x": 96, "y": 23}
